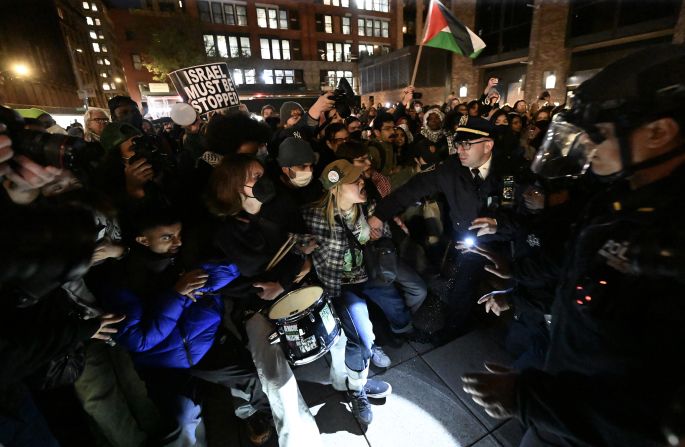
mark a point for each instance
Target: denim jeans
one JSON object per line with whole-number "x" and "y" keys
{"x": 411, "y": 285}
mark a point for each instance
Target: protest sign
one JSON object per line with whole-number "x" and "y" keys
{"x": 206, "y": 87}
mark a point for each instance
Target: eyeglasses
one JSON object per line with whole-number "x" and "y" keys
{"x": 467, "y": 144}
{"x": 100, "y": 120}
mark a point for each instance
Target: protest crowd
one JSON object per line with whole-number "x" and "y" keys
{"x": 143, "y": 261}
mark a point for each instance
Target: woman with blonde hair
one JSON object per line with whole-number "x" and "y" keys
{"x": 339, "y": 226}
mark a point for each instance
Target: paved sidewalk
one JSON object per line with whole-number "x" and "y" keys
{"x": 428, "y": 407}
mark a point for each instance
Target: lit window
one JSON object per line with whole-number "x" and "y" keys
{"x": 275, "y": 49}
{"x": 111, "y": 84}
{"x": 268, "y": 76}
{"x": 261, "y": 17}
{"x": 104, "y": 49}
{"x": 245, "y": 50}
{"x": 210, "y": 48}
{"x": 328, "y": 24}
{"x": 221, "y": 44}
{"x": 99, "y": 62}
{"x": 385, "y": 29}
{"x": 346, "y": 29}
{"x": 89, "y": 20}
{"x": 273, "y": 21}
{"x": 96, "y": 47}
{"x": 283, "y": 19}
{"x": 97, "y": 22}
{"x": 105, "y": 86}
{"x": 107, "y": 62}
{"x": 238, "y": 76}
{"x": 93, "y": 35}
{"x": 101, "y": 36}
{"x": 86, "y": 5}
{"x": 265, "y": 49}
{"x": 93, "y": 7}
{"x": 250, "y": 76}
{"x": 103, "y": 75}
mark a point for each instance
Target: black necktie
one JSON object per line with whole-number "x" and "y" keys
{"x": 477, "y": 179}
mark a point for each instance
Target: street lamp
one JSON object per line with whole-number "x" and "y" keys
{"x": 117, "y": 80}
{"x": 21, "y": 69}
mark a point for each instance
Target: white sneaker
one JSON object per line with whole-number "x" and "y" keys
{"x": 379, "y": 358}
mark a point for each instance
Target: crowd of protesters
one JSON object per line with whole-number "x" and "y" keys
{"x": 189, "y": 211}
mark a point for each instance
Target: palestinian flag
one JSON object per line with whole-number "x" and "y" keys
{"x": 443, "y": 30}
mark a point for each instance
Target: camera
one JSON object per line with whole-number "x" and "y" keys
{"x": 61, "y": 151}
{"x": 144, "y": 147}
{"x": 344, "y": 98}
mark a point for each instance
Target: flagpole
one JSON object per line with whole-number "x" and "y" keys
{"x": 418, "y": 55}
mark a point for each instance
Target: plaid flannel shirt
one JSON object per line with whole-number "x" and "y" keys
{"x": 328, "y": 258}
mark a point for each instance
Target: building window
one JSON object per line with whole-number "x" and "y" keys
{"x": 137, "y": 62}
{"x": 89, "y": 20}
{"x": 97, "y": 22}
{"x": 93, "y": 7}
{"x": 101, "y": 36}
{"x": 273, "y": 18}
{"x": 343, "y": 3}
{"x": 105, "y": 86}
{"x": 244, "y": 76}
{"x": 373, "y": 28}
{"x": 227, "y": 46}
{"x": 203, "y": 9}
{"x": 328, "y": 24}
{"x": 96, "y": 47}
{"x": 99, "y": 62}
{"x": 275, "y": 49}
{"x": 235, "y": 14}
{"x": 369, "y": 49}
{"x": 210, "y": 47}
{"x": 86, "y": 5}
{"x": 374, "y": 5}
{"x": 330, "y": 78}
{"x": 104, "y": 48}
{"x": 93, "y": 35}
{"x": 346, "y": 29}
{"x": 277, "y": 77}
{"x": 103, "y": 75}
{"x": 217, "y": 14}
{"x": 335, "y": 52}
{"x": 107, "y": 62}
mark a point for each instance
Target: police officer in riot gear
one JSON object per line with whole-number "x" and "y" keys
{"x": 615, "y": 362}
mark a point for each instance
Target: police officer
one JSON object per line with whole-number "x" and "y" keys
{"x": 472, "y": 185}
{"x": 616, "y": 358}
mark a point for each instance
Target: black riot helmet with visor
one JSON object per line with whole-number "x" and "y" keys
{"x": 642, "y": 87}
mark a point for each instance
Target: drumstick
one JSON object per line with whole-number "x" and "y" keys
{"x": 278, "y": 253}
{"x": 282, "y": 255}
{"x": 281, "y": 252}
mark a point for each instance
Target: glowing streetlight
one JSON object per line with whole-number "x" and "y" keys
{"x": 117, "y": 80}
{"x": 21, "y": 69}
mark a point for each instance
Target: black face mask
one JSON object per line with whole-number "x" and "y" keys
{"x": 264, "y": 189}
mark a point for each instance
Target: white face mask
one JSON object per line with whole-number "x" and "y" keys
{"x": 302, "y": 178}
{"x": 250, "y": 204}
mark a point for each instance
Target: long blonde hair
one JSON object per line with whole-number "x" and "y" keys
{"x": 329, "y": 205}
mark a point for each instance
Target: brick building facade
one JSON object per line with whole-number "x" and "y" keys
{"x": 275, "y": 49}
{"x": 547, "y": 45}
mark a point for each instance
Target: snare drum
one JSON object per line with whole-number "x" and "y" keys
{"x": 306, "y": 325}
